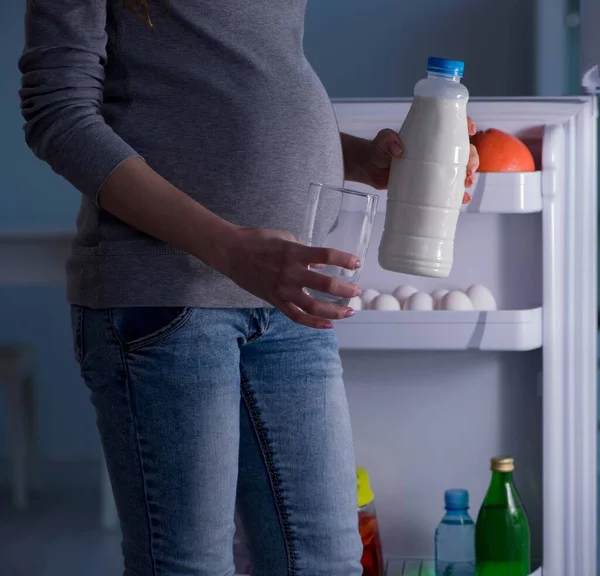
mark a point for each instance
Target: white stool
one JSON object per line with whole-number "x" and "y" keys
{"x": 17, "y": 373}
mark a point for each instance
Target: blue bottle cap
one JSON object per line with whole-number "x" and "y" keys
{"x": 457, "y": 499}
{"x": 443, "y": 66}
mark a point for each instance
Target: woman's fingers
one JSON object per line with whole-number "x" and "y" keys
{"x": 300, "y": 317}
{"x": 311, "y": 312}
{"x": 328, "y": 256}
{"x": 320, "y": 309}
{"x": 324, "y": 283}
{"x": 388, "y": 142}
{"x": 472, "y": 167}
{"x": 473, "y": 163}
{"x": 471, "y": 126}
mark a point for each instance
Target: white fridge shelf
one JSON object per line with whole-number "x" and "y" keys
{"x": 501, "y": 330}
{"x": 420, "y": 568}
{"x": 506, "y": 193}
{"x": 502, "y": 193}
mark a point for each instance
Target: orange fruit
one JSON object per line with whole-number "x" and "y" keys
{"x": 502, "y": 152}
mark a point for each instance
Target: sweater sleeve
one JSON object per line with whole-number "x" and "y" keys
{"x": 62, "y": 86}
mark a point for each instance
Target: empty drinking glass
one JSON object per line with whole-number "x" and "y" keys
{"x": 342, "y": 219}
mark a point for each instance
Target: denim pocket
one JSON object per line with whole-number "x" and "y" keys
{"x": 77, "y": 328}
{"x": 139, "y": 327}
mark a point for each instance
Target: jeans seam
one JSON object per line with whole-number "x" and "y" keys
{"x": 255, "y": 337}
{"x": 267, "y": 322}
{"x": 272, "y": 473}
{"x": 249, "y": 328}
{"x": 139, "y": 449}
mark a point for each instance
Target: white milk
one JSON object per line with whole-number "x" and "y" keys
{"x": 427, "y": 182}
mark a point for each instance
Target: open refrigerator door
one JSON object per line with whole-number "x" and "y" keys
{"x": 524, "y": 375}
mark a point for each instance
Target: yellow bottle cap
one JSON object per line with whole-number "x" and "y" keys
{"x": 364, "y": 492}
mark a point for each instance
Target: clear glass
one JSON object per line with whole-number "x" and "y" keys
{"x": 341, "y": 219}
{"x": 455, "y": 545}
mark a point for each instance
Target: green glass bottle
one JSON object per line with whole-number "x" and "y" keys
{"x": 502, "y": 539}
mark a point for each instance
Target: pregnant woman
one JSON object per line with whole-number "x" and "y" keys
{"x": 192, "y": 130}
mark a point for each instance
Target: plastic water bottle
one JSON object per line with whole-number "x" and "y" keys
{"x": 426, "y": 184}
{"x": 455, "y": 537}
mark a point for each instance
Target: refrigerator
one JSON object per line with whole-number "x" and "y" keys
{"x": 433, "y": 395}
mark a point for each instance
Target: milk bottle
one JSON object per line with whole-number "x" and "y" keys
{"x": 426, "y": 183}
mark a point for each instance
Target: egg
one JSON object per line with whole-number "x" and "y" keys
{"x": 367, "y": 297}
{"x": 419, "y": 301}
{"x": 356, "y": 303}
{"x": 385, "y": 303}
{"x": 437, "y": 297}
{"x": 456, "y": 301}
{"x": 481, "y": 297}
{"x": 402, "y": 293}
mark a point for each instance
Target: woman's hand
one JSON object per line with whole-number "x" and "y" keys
{"x": 369, "y": 161}
{"x": 273, "y": 266}
{"x": 266, "y": 263}
{"x": 473, "y": 157}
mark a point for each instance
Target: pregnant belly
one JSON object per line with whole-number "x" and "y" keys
{"x": 248, "y": 156}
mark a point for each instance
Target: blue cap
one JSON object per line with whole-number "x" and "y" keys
{"x": 443, "y": 66}
{"x": 457, "y": 499}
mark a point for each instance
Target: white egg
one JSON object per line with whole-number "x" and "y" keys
{"x": 437, "y": 296}
{"x": 385, "y": 303}
{"x": 356, "y": 303}
{"x": 402, "y": 293}
{"x": 481, "y": 297}
{"x": 456, "y": 300}
{"x": 368, "y": 296}
{"x": 419, "y": 301}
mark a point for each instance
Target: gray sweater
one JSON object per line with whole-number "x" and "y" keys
{"x": 219, "y": 99}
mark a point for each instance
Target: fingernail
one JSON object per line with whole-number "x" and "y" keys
{"x": 358, "y": 291}
{"x": 349, "y": 313}
{"x": 358, "y": 264}
{"x": 328, "y": 326}
{"x": 396, "y": 149}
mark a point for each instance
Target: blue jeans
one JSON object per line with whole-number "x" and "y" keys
{"x": 198, "y": 406}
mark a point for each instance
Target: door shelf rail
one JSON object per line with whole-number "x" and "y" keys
{"x": 494, "y": 193}
{"x": 501, "y": 330}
